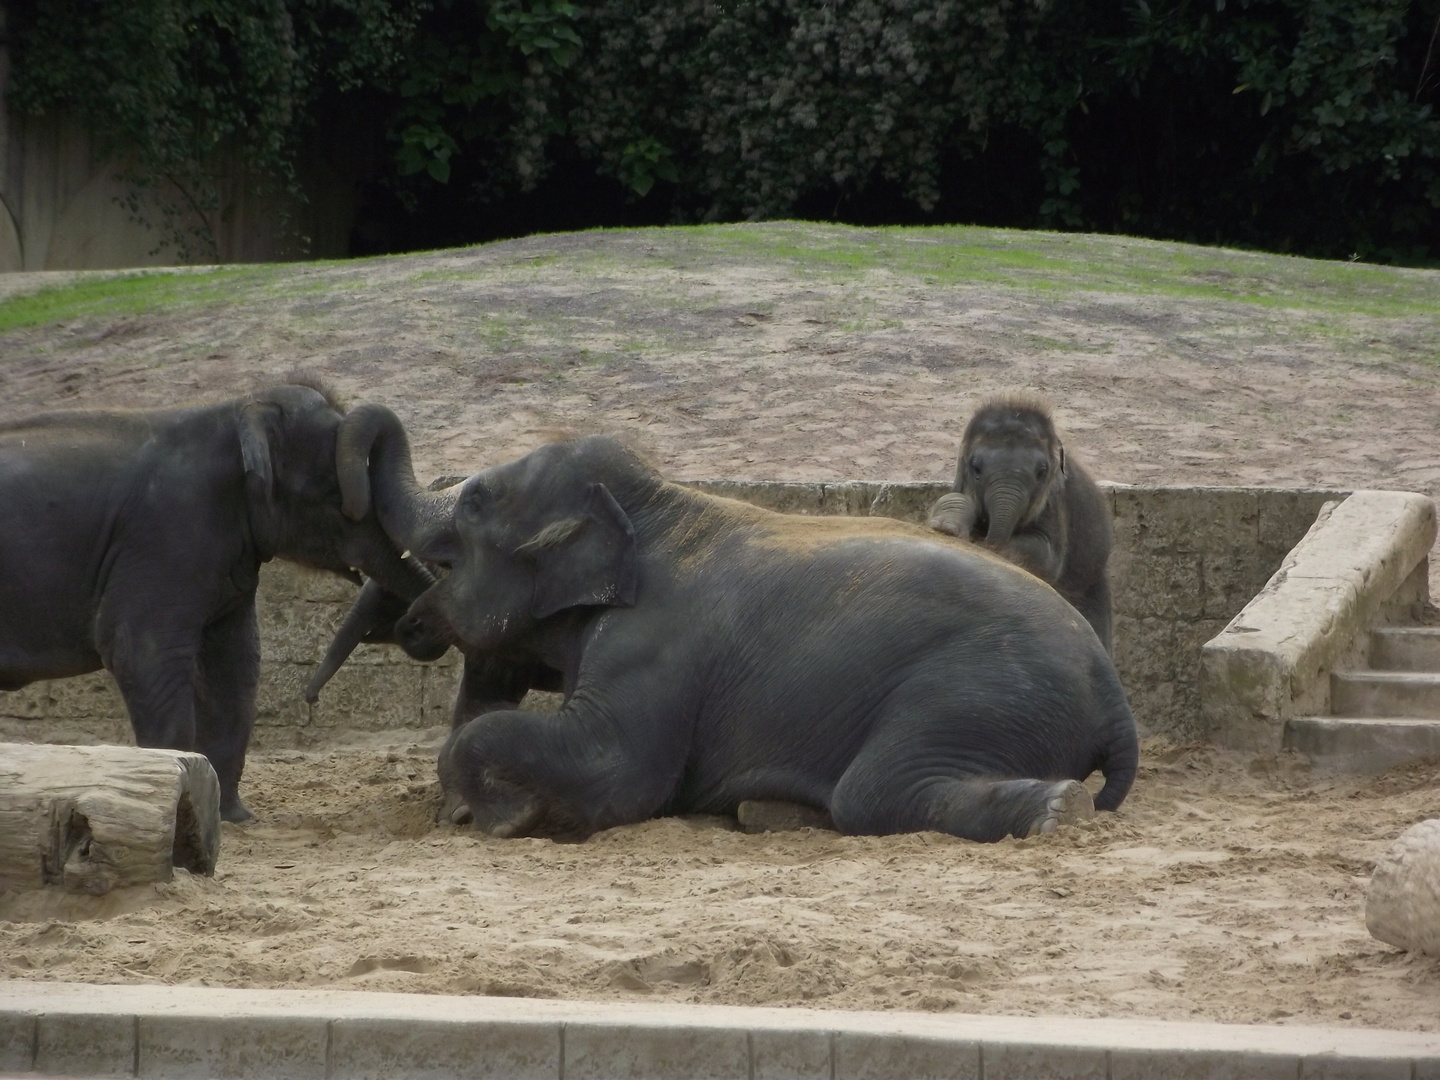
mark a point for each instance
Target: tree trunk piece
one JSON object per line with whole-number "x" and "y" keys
{"x": 95, "y": 818}
{"x": 1402, "y": 906}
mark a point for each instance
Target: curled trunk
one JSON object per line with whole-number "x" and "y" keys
{"x": 372, "y": 457}
{"x": 955, "y": 513}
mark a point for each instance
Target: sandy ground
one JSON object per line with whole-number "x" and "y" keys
{"x": 1226, "y": 888}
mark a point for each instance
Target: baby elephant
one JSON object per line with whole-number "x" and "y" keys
{"x": 1016, "y": 491}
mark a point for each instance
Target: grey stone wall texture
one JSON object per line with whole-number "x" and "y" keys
{"x": 1186, "y": 560}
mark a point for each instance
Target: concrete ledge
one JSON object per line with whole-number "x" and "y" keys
{"x": 185, "y": 1031}
{"x": 1362, "y": 744}
{"x": 1364, "y": 560}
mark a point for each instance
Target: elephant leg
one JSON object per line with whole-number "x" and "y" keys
{"x": 489, "y": 683}
{"x": 155, "y": 670}
{"x": 883, "y": 793}
{"x": 1095, "y": 606}
{"x": 1035, "y": 552}
{"x": 225, "y": 705}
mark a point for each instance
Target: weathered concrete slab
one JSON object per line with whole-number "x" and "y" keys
{"x": 1385, "y": 693}
{"x": 1405, "y": 648}
{"x": 1354, "y": 744}
{"x": 194, "y": 1031}
{"x": 1363, "y": 561}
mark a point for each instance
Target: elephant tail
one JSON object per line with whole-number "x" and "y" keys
{"x": 1119, "y": 760}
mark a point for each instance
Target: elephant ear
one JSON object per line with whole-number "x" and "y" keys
{"x": 589, "y": 559}
{"x": 255, "y": 426}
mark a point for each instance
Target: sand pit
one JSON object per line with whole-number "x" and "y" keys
{"x": 1226, "y": 889}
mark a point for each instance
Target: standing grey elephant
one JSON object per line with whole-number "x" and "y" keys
{"x": 712, "y": 652}
{"x": 1020, "y": 494}
{"x": 133, "y": 541}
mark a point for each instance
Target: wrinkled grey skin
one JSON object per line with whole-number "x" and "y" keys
{"x": 711, "y": 652}
{"x": 133, "y": 541}
{"x": 491, "y": 680}
{"x": 1020, "y": 494}
{"x": 371, "y": 620}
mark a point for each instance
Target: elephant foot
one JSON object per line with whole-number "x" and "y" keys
{"x": 1065, "y": 803}
{"x": 454, "y": 811}
{"x": 235, "y": 811}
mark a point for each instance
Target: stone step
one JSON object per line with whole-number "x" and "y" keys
{"x": 1385, "y": 693}
{"x": 1405, "y": 648}
{"x": 1362, "y": 744}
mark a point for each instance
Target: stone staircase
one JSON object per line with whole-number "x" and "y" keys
{"x": 1382, "y": 715}
{"x": 1330, "y": 657}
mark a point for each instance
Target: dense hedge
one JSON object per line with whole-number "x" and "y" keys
{"x": 1299, "y": 125}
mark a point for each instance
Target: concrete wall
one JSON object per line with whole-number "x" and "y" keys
{"x": 61, "y": 202}
{"x": 1186, "y": 561}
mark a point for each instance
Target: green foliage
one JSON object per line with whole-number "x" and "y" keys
{"x": 546, "y": 29}
{"x": 645, "y": 161}
{"x": 1298, "y": 124}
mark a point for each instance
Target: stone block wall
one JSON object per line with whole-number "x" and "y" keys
{"x": 1186, "y": 560}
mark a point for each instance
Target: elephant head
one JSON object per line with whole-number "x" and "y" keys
{"x": 293, "y": 444}
{"x": 523, "y": 541}
{"x": 1011, "y": 463}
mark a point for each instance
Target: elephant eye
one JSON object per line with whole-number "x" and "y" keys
{"x": 975, "y": 465}
{"x": 475, "y": 502}
{"x": 1042, "y": 469}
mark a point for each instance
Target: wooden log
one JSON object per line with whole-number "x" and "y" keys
{"x": 1402, "y": 907}
{"x": 95, "y": 818}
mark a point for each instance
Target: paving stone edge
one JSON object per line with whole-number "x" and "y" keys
{"x": 66, "y": 1029}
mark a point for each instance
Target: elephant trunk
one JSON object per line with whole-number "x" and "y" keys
{"x": 373, "y": 608}
{"x": 1004, "y": 505}
{"x": 954, "y": 513}
{"x": 372, "y": 447}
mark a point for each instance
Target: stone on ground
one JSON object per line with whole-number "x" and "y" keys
{"x": 1403, "y": 906}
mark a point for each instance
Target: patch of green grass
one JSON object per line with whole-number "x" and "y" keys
{"x": 127, "y": 294}
{"x": 962, "y": 255}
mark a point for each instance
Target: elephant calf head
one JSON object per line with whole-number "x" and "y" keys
{"x": 308, "y": 498}
{"x": 1011, "y": 465}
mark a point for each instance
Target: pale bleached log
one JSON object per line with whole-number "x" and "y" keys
{"x": 1403, "y": 904}
{"x": 94, "y": 818}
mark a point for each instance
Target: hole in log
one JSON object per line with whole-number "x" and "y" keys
{"x": 73, "y": 840}
{"x": 189, "y": 850}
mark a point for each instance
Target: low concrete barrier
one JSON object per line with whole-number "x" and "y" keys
{"x": 1186, "y": 559}
{"x": 58, "y": 1029}
{"x": 1363, "y": 563}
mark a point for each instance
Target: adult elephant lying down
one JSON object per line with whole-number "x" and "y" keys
{"x": 713, "y": 652}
